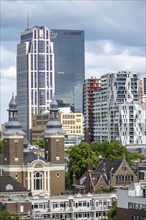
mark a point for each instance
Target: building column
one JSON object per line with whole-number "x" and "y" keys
{"x": 44, "y": 181}
{"x": 32, "y": 181}
{"x": 28, "y": 181}
{"x": 48, "y": 181}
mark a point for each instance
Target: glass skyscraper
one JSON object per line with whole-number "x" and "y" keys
{"x": 69, "y": 66}
{"x": 35, "y": 74}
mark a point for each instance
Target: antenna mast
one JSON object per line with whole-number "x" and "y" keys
{"x": 27, "y": 20}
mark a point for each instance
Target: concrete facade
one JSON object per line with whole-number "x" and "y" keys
{"x": 131, "y": 202}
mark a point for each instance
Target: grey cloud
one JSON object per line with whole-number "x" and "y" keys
{"x": 120, "y": 21}
{"x": 98, "y": 48}
{"x": 114, "y": 34}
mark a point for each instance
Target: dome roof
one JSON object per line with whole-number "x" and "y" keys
{"x": 12, "y": 103}
{"x": 53, "y": 104}
{"x": 54, "y": 128}
{"x": 13, "y": 127}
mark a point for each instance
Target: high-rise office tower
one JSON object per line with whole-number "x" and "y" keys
{"x": 35, "y": 74}
{"x": 90, "y": 86}
{"x": 69, "y": 66}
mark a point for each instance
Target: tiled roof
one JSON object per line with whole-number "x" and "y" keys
{"x": 110, "y": 165}
{"x": 8, "y": 184}
{"x": 87, "y": 178}
{"x": 29, "y": 157}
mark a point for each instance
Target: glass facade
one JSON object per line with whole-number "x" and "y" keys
{"x": 69, "y": 66}
{"x": 35, "y": 74}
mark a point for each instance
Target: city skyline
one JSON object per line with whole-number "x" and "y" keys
{"x": 114, "y": 35}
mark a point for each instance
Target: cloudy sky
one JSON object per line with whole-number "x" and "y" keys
{"x": 115, "y": 35}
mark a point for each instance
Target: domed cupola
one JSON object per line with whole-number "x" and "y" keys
{"x": 12, "y": 104}
{"x": 13, "y": 127}
{"x": 54, "y": 126}
{"x": 54, "y": 104}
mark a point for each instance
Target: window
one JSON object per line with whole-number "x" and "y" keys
{"x": 38, "y": 181}
{"x": 41, "y": 46}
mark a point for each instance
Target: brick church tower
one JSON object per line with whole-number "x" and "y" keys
{"x": 54, "y": 150}
{"x": 13, "y": 137}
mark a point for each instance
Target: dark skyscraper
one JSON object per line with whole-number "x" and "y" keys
{"x": 48, "y": 61}
{"x": 69, "y": 66}
{"x": 144, "y": 86}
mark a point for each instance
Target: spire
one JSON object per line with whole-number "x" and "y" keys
{"x": 124, "y": 157}
{"x": 13, "y": 127}
{"x": 27, "y": 20}
{"x": 12, "y": 108}
{"x": 54, "y": 126}
{"x": 53, "y": 105}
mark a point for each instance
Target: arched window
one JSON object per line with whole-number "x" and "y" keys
{"x": 38, "y": 181}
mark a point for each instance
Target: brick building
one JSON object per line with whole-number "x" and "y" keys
{"x": 35, "y": 173}
{"x": 109, "y": 173}
{"x": 131, "y": 202}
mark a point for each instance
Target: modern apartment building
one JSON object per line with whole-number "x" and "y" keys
{"x": 119, "y": 91}
{"x": 90, "y": 86}
{"x": 132, "y": 123}
{"x": 35, "y": 74}
{"x": 141, "y": 91}
{"x": 72, "y": 124}
{"x": 69, "y": 66}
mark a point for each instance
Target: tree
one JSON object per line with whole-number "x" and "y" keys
{"x": 113, "y": 211}
{"x": 40, "y": 143}
{"x": 110, "y": 150}
{"x": 83, "y": 154}
{"x": 68, "y": 183}
{"x": 79, "y": 157}
{"x": 5, "y": 215}
{"x": 131, "y": 157}
{"x": 1, "y": 146}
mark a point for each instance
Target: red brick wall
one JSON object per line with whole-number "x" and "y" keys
{"x": 126, "y": 214}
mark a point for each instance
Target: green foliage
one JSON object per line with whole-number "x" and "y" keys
{"x": 102, "y": 190}
{"x": 40, "y": 143}
{"x": 110, "y": 150}
{"x": 79, "y": 157}
{"x": 131, "y": 157}
{"x": 83, "y": 154}
{"x": 113, "y": 211}
{"x": 5, "y": 215}
{"x": 1, "y": 146}
{"x": 68, "y": 183}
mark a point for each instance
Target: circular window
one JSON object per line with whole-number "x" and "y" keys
{"x": 16, "y": 141}
{"x": 58, "y": 174}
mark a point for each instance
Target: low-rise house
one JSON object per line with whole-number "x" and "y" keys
{"x": 77, "y": 206}
{"x": 108, "y": 173}
{"x": 131, "y": 202}
{"x": 14, "y": 197}
{"x": 141, "y": 169}
{"x": 118, "y": 173}
{"x": 90, "y": 182}
{"x": 74, "y": 206}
